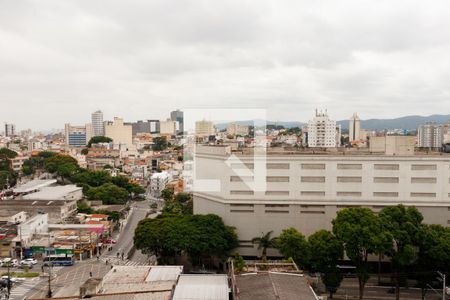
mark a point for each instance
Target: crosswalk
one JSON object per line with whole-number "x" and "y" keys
{"x": 20, "y": 289}
{"x": 126, "y": 262}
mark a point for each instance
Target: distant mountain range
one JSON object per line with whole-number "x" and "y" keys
{"x": 407, "y": 122}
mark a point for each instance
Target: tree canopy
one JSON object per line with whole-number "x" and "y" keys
{"x": 108, "y": 193}
{"x": 292, "y": 243}
{"x": 159, "y": 144}
{"x": 264, "y": 242}
{"x": 358, "y": 229}
{"x": 197, "y": 236}
{"x": 98, "y": 139}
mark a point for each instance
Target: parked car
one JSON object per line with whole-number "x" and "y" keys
{"x": 12, "y": 262}
{"x": 28, "y": 261}
{"x": 109, "y": 241}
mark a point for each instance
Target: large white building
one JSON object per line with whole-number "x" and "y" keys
{"x": 168, "y": 127}
{"x": 323, "y": 132}
{"x": 354, "y": 128}
{"x": 306, "y": 190}
{"x": 98, "y": 127}
{"x": 430, "y": 135}
{"x": 120, "y": 133}
{"x": 158, "y": 182}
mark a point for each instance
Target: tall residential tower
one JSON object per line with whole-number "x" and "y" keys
{"x": 98, "y": 126}
{"x": 354, "y": 128}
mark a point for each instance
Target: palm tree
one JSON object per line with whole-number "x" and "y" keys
{"x": 265, "y": 241}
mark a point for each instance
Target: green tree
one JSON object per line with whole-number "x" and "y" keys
{"x": 124, "y": 182}
{"x": 167, "y": 194}
{"x": 92, "y": 178}
{"x": 238, "y": 263}
{"x": 264, "y": 242}
{"x": 292, "y": 243}
{"x": 6, "y": 153}
{"x": 98, "y": 139}
{"x": 63, "y": 165}
{"x": 325, "y": 252}
{"x": 404, "y": 225}
{"x": 85, "y": 151}
{"x": 159, "y": 144}
{"x": 433, "y": 254}
{"x": 108, "y": 193}
{"x": 198, "y": 236}
{"x": 358, "y": 229}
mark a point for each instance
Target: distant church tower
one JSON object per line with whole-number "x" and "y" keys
{"x": 354, "y": 127}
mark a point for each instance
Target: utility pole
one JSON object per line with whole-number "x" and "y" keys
{"x": 49, "y": 293}
{"x": 443, "y": 284}
{"x": 9, "y": 280}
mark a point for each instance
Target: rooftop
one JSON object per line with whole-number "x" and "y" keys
{"x": 202, "y": 287}
{"x": 271, "y": 286}
{"x": 58, "y": 192}
{"x": 33, "y": 185}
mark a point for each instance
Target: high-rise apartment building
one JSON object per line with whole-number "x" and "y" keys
{"x": 98, "y": 127}
{"x": 430, "y": 135}
{"x": 204, "y": 128}
{"x": 354, "y": 128}
{"x": 322, "y": 132}
{"x": 10, "y": 129}
{"x": 177, "y": 116}
{"x": 120, "y": 133}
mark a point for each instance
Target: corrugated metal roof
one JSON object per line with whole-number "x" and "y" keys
{"x": 202, "y": 287}
{"x": 163, "y": 273}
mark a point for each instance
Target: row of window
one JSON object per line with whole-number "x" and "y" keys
{"x": 338, "y": 194}
{"x": 343, "y": 179}
{"x": 322, "y": 166}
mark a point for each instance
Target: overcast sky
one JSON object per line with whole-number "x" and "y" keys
{"x": 61, "y": 60}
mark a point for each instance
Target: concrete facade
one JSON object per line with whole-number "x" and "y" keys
{"x": 305, "y": 191}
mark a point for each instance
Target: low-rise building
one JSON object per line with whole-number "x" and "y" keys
{"x": 158, "y": 182}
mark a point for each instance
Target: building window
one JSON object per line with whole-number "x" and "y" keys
{"x": 277, "y": 178}
{"x": 423, "y": 180}
{"x": 349, "y": 179}
{"x": 348, "y": 194}
{"x": 312, "y": 193}
{"x": 385, "y": 179}
{"x": 349, "y": 166}
{"x": 241, "y": 178}
{"x": 385, "y": 194}
{"x": 386, "y": 167}
{"x": 423, "y": 167}
{"x": 313, "y": 179}
{"x": 313, "y": 166}
{"x": 278, "y": 166}
{"x": 277, "y": 193}
{"x": 423, "y": 195}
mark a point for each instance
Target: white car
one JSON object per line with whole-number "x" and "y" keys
{"x": 11, "y": 262}
{"x": 28, "y": 261}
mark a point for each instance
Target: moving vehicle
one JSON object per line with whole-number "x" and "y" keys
{"x": 28, "y": 261}
{"x": 59, "y": 260}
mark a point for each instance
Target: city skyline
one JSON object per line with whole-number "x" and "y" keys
{"x": 153, "y": 57}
